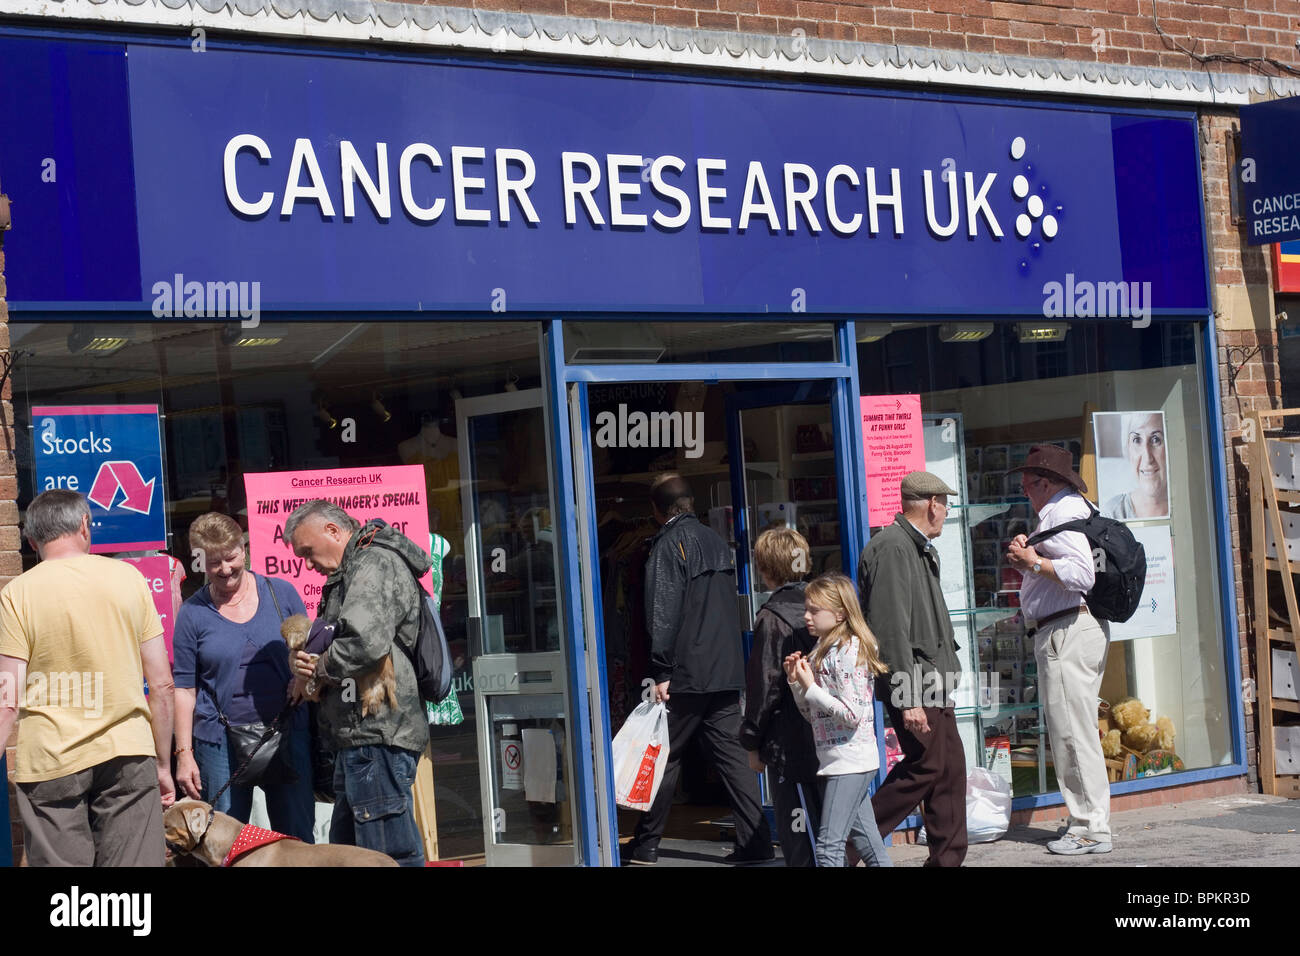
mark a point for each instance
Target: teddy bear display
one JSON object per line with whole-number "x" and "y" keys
{"x": 1133, "y": 730}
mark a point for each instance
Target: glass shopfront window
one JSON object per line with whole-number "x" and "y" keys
{"x": 1129, "y": 404}
{"x": 316, "y": 395}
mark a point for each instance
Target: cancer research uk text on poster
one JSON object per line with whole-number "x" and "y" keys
{"x": 395, "y": 493}
{"x": 893, "y": 444}
{"x": 112, "y": 454}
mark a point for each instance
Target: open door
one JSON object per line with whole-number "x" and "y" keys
{"x": 515, "y": 635}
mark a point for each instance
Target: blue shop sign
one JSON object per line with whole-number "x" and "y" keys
{"x": 112, "y": 454}
{"x": 1270, "y": 170}
{"x": 285, "y": 182}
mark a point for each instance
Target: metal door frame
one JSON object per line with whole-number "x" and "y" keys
{"x": 566, "y": 389}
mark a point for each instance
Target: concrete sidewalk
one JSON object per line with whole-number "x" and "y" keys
{"x": 1241, "y": 830}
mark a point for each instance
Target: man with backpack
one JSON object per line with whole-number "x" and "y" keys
{"x": 372, "y": 596}
{"x": 1070, "y": 644}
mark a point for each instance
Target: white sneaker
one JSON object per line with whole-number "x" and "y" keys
{"x": 1076, "y": 844}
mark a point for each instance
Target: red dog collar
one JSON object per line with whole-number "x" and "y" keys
{"x": 250, "y": 838}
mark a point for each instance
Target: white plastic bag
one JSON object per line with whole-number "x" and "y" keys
{"x": 988, "y": 807}
{"x": 640, "y": 752}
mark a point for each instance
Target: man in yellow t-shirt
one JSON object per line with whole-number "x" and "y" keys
{"x": 78, "y": 637}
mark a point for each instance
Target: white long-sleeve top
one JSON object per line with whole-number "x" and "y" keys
{"x": 840, "y": 708}
{"x": 1071, "y": 557}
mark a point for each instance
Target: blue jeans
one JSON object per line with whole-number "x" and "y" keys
{"x": 847, "y": 816}
{"x": 291, "y": 806}
{"x": 373, "y": 806}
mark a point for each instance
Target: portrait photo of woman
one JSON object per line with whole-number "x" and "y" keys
{"x": 1132, "y": 464}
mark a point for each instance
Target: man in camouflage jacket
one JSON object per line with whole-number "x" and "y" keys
{"x": 371, "y": 596}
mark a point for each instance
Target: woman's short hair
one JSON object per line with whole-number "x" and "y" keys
{"x": 54, "y": 513}
{"x": 781, "y": 555}
{"x": 215, "y": 533}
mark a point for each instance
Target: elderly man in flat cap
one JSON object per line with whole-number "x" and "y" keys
{"x": 898, "y": 576}
{"x": 1070, "y": 645}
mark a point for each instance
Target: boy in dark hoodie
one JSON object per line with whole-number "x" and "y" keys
{"x": 773, "y": 731}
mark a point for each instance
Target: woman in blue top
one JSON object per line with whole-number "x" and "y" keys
{"x": 228, "y": 645}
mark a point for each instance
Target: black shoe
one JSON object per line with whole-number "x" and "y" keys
{"x": 633, "y": 853}
{"x": 740, "y": 858}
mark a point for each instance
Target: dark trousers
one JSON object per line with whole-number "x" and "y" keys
{"x": 798, "y": 811}
{"x": 717, "y": 718}
{"x": 106, "y": 815}
{"x": 933, "y": 772}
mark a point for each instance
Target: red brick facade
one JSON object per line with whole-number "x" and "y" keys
{"x": 1115, "y": 31}
{"x": 10, "y": 562}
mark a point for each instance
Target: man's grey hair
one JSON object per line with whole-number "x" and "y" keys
{"x": 319, "y": 507}
{"x": 54, "y": 513}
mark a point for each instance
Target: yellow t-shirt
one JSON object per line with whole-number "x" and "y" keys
{"x": 79, "y": 623}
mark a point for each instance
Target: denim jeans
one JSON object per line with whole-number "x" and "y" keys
{"x": 291, "y": 806}
{"x": 373, "y": 806}
{"x": 847, "y": 815}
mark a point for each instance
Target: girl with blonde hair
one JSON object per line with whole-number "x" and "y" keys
{"x": 833, "y": 688}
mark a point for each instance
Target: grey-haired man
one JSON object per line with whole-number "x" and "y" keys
{"x": 898, "y": 577}
{"x": 371, "y": 593}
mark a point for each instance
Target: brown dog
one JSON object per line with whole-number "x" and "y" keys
{"x": 377, "y": 687}
{"x": 187, "y": 829}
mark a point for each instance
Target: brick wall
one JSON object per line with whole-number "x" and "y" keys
{"x": 1248, "y": 371}
{"x": 1104, "y": 31}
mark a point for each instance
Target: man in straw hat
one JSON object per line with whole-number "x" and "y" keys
{"x": 1070, "y": 644}
{"x": 898, "y": 576}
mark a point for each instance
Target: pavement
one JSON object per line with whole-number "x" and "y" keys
{"x": 1239, "y": 830}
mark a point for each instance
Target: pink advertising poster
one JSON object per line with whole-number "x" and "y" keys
{"x": 395, "y": 493}
{"x": 157, "y": 571}
{"x": 893, "y": 444}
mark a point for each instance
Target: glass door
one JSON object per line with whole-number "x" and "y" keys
{"x": 521, "y": 696}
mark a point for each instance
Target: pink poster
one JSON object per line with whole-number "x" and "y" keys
{"x": 157, "y": 571}
{"x": 395, "y": 493}
{"x": 893, "y": 444}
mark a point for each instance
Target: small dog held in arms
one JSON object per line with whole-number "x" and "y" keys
{"x": 195, "y": 831}
{"x": 375, "y": 688}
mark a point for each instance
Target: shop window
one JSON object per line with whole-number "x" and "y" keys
{"x": 1087, "y": 393}
{"x": 316, "y": 395}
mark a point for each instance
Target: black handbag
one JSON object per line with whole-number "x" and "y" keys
{"x": 260, "y": 753}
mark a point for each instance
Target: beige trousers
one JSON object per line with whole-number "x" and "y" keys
{"x": 1071, "y": 655}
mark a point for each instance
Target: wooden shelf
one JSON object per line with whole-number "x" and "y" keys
{"x": 1290, "y": 706}
{"x": 1290, "y": 497}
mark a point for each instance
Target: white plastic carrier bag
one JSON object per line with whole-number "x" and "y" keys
{"x": 988, "y": 807}
{"x": 640, "y": 752}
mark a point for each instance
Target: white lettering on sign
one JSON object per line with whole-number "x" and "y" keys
{"x": 719, "y": 194}
{"x": 91, "y": 444}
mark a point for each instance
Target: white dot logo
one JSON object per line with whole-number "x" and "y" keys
{"x": 1033, "y": 204}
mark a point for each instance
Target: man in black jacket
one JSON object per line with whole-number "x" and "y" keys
{"x": 776, "y": 735}
{"x": 694, "y": 625}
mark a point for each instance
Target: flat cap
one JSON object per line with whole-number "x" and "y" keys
{"x": 922, "y": 484}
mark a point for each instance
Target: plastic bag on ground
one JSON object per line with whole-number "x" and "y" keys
{"x": 640, "y": 753}
{"x": 988, "y": 807}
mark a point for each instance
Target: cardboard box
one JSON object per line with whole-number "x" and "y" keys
{"x": 1286, "y": 749}
{"x": 1286, "y": 675}
{"x": 1284, "y": 459}
{"x": 1291, "y": 533}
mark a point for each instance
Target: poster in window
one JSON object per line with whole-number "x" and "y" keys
{"x": 1157, "y": 612}
{"x": 1132, "y": 465}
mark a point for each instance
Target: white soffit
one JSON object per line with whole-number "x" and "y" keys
{"x": 459, "y": 28}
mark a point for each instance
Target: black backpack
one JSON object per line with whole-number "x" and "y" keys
{"x": 430, "y": 657}
{"x": 1121, "y": 564}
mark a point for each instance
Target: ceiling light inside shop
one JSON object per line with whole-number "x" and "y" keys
{"x": 965, "y": 331}
{"x": 324, "y": 415}
{"x": 84, "y": 339}
{"x": 607, "y": 343}
{"x": 240, "y": 337}
{"x": 1042, "y": 331}
{"x": 377, "y": 406}
{"x": 872, "y": 332}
